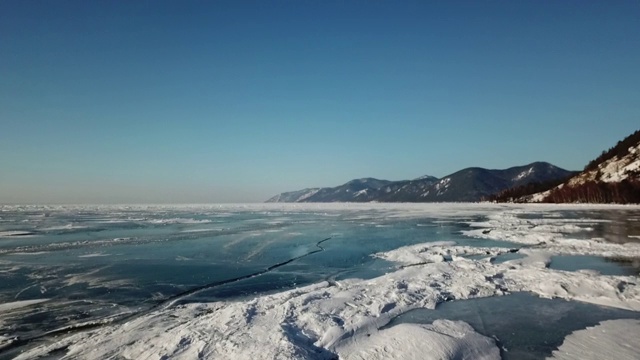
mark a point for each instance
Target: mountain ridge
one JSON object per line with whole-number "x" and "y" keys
{"x": 466, "y": 185}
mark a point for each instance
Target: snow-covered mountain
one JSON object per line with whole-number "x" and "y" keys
{"x": 471, "y": 184}
{"x": 358, "y": 190}
{"x": 475, "y": 184}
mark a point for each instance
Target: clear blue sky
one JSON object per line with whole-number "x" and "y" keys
{"x": 235, "y": 101}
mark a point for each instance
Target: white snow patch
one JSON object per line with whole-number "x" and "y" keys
{"x": 93, "y": 255}
{"x": 361, "y": 192}
{"x": 524, "y": 174}
{"x": 29, "y": 253}
{"x": 19, "y": 304}
{"x": 307, "y": 195}
{"x": 538, "y": 197}
{"x": 611, "y": 339}
{"x": 442, "y": 185}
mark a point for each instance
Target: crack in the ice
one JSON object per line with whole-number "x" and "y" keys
{"x": 166, "y": 303}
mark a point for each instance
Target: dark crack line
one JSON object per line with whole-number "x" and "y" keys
{"x": 416, "y": 264}
{"x": 171, "y": 300}
{"x": 166, "y": 303}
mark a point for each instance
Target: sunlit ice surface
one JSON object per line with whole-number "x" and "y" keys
{"x": 314, "y": 280}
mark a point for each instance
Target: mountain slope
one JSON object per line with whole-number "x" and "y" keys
{"x": 613, "y": 177}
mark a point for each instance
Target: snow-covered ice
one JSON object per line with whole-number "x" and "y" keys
{"x": 345, "y": 318}
{"x": 612, "y": 339}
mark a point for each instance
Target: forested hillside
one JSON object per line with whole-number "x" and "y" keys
{"x": 612, "y": 177}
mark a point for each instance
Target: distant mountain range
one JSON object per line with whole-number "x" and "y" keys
{"x": 467, "y": 185}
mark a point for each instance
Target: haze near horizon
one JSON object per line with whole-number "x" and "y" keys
{"x": 236, "y": 101}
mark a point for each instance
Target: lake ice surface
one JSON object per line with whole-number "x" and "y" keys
{"x": 310, "y": 281}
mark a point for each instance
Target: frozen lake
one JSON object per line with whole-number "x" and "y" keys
{"x": 314, "y": 280}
